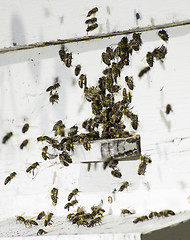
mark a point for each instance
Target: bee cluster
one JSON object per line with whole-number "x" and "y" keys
{"x": 91, "y": 22}
{"x": 107, "y": 123}
{"x": 31, "y": 222}
{"x": 87, "y": 219}
{"x": 163, "y": 213}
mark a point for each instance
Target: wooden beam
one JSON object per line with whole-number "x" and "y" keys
{"x": 99, "y": 36}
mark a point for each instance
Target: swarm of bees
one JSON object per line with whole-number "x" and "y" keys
{"x": 163, "y": 213}
{"x": 91, "y": 22}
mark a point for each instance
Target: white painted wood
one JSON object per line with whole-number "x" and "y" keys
{"x": 25, "y": 22}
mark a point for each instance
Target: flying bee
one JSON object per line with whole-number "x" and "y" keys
{"x": 163, "y": 35}
{"x": 92, "y": 27}
{"x": 123, "y": 186}
{"x": 77, "y": 70}
{"x": 140, "y": 219}
{"x": 20, "y": 219}
{"x": 146, "y": 159}
{"x": 143, "y": 71}
{"x": 129, "y": 81}
{"x": 150, "y": 59}
{"x": 54, "y": 193}
{"x": 153, "y": 214}
{"x": 7, "y": 137}
{"x": 48, "y": 219}
{"x": 105, "y": 59}
{"x": 40, "y": 215}
{"x": 23, "y": 144}
{"x": 73, "y": 130}
{"x": 92, "y": 11}
{"x": 165, "y": 213}
{"x": 73, "y": 202}
{"x": 67, "y": 206}
{"x": 9, "y": 178}
{"x": 32, "y": 167}
{"x": 54, "y": 98}
{"x": 53, "y": 87}
{"x": 126, "y": 211}
{"x": 142, "y": 168}
{"x": 91, "y": 20}
{"x": 73, "y": 193}
{"x": 41, "y": 231}
{"x": 116, "y": 173}
{"x": 25, "y": 128}
{"x": 168, "y": 109}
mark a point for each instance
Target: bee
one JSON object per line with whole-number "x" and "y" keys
{"x": 92, "y": 11}
{"x": 25, "y": 128}
{"x": 54, "y": 193}
{"x": 80, "y": 210}
{"x": 94, "y": 221}
{"x": 160, "y": 52}
{"x": 48, "y": 219}
{"x": 114, "y": 88}
{"x": 86, "y": 144}
{"x": 82, "y": 80}
{"x": 110, "y": 53}
{"x": 68, "y": 59}
{"x": 126, "y": 211}
{"x": 112, "y": 163}
{"x": 145, "y": 159}
{"x": 142, "y": 168}
{"x": 110, "y": 199}
{"x": 40, "y": 215}
{"x": 165, "y": 213}
{"x": 149, "y": 59}
{"x": 106, "y": 59}
{"x": 59, "y": 128}
{"x": 92, "y": 27}
{"x": 153, "y": 214}
{"x": 91, "y": 20}
{"x": 116, "y": 173}
{"x": 73, "y": 130}
{"x": 23, "y": 144}
{"x": 140, "y": 219}
{"x": 134, "y": 122}
{"x": 135, "y": 42}
{"x": 82, "y": 222}
{"x": 29, "y": 223}
{"x": 77, "y": 70}
{"x": 54, "y": 98}
{"x": 73, "y": 202}
{"x": 41, "y": 231}
{"x": 143, "y": 71}
{"x": 123, "y": 186}
{"x": 73, "y": 193}
{"x": 32, "y": 167}
{"x": 7, "y": 137}
{"x": 9, "y": 178}
{"x": 70, "y": 216}
{"x": 129, "y": 81}
{"x": 20, "y": 219}
{"x": 53, "y": 87}
{"x": 163, "y": 35}
{"x": 69, "y": 145}
{"x": 67, "y": 206}
{"x": 168, "y": 109}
